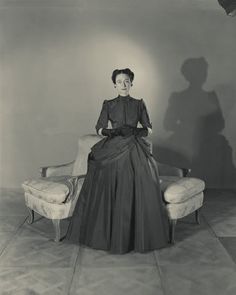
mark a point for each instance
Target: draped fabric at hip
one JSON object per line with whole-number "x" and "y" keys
{"x": 120, "y": 207}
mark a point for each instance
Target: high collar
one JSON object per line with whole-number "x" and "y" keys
{"x": 119, "y": 97}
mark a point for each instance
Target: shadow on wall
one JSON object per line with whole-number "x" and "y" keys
{"x": 195, "y": 120}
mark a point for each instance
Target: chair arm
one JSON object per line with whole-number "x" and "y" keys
{"x": 57, "y": 170}
{"x": 186, "y": 171}
{"x": 167, "y": 170}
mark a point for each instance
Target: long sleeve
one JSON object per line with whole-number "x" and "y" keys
{"x": 144, "y": 117}
{"x": 103, "y": 118}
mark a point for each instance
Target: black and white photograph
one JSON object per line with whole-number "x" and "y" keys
{"x": 117, "y": 147}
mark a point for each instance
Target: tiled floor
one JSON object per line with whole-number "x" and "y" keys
{"x": 201, "y": 262}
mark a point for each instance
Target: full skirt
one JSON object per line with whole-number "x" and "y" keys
{"x": 120, "y": 206}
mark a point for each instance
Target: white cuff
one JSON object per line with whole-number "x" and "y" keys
{"x": 100, "y": 131}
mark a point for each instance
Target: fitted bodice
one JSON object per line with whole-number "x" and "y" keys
{"x": 123, "y": 110}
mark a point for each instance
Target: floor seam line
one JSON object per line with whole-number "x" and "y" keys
{"x": 74, "y": 270}
{"x": 209, "y": 225}
{"x": 160, "y": 273}
{"x": 14, "y": 235}
{"x": 229, "y": 255}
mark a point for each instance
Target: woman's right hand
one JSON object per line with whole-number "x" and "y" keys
{"x": 124, "y": 131}
{"x": 110, "y": 132}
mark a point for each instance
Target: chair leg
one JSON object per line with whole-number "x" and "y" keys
{"x": 30, "y": 218}
{"x": 197, "y": 216}
{"x": 56, "y": 224}
{"x": 172, "y": 230}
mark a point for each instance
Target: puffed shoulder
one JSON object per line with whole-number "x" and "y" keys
{"x": 105, "y": 104}
{"x": 142, "y": 103}
{"x": 107, "y": 101}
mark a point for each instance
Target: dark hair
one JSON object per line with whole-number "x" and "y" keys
{"x": 126, "y": 71}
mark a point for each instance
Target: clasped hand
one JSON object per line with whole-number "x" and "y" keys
{"x": 125, "y": 131}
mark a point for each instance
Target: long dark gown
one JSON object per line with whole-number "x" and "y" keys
{"x": 120, "y": 206}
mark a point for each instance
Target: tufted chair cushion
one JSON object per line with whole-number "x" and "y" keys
{"x": 49, "y": 191}
{"x": 84, "y": 146}
{"x": 179, "y": 210}
{"x": 181, "y": 189}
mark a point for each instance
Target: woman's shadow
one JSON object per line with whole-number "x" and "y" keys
{"x": 195, "y": 121}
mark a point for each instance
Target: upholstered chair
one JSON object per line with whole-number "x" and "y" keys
{"x": 51, "y": 195}
{"x": 55, "y": 193}
{"x": 183, "y": 195}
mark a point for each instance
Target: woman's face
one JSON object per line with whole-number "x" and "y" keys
{"x": 123, "y": 84}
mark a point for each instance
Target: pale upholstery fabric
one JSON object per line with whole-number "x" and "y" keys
{"x": 176, "y": 211}
{"x": 183, "y": 189}
{"x": 165, "y": 181}
{"x": 52, "y": 210}
{"x": 49, "y": 191}
{"x": 183, "y": 195}
{"x": 60, "y": 170}
{"x": 84, "y": 147}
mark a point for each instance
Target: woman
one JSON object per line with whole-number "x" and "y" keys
{"x": 120, "y": 206}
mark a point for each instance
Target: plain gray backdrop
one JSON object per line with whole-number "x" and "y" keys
{"x": 56, "y": 59}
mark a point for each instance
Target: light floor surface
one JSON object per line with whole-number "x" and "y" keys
{"x": 201, "y": 262}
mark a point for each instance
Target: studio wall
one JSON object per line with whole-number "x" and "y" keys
{"x": 56, "y": 61}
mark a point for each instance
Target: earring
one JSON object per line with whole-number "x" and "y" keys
{"x": 114, "y": 86}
